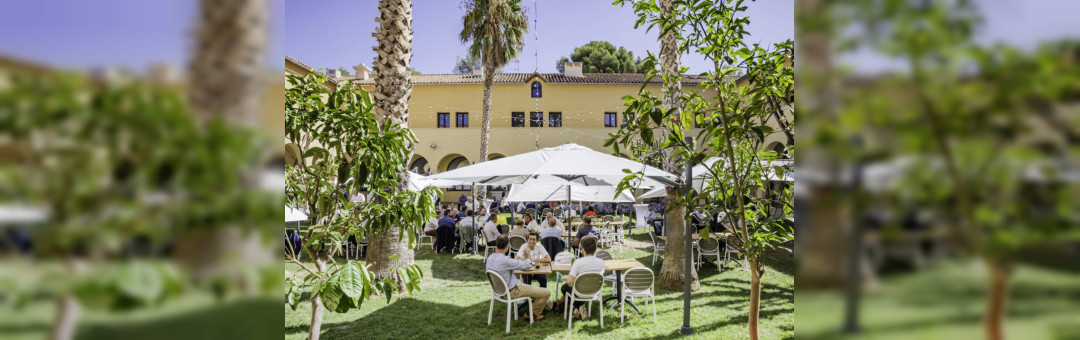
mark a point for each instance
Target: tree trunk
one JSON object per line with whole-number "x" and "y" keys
{"x": 392, "y": 91}
{"x": 228, "y": 60}
{"x": 755, "y": 297}
{"x": 67, "y": 316}
{"x": 673, "y": 270}
{"x": 485, "y": 125}
{"x": 996, "y": 298}
{"x": 316, "y": 307}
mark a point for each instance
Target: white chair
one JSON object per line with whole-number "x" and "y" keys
{"x": 657, "y": 247}
{"x": 502, "y": 294}
{"x": 483, "y": 237}
{"x": 421, "y": 236}
{"x": 563, "y": 257}
{"x": 638, "y": 282}
{"x": 603, "y": 255}
{"x": 515, "y": 243}
{"x": 587, "y": 288}
{"x": 710, "y": 247}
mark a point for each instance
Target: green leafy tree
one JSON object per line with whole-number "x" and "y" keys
{"x": 758, "y": 222}
{"x": 341, "y": 147}
{"x": 965, "y": 112}
{"x": 344, "y": 72}
{"x": 494, "y": 31}
{"x": 602, "y": 57}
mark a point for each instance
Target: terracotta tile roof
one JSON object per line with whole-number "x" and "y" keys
{"x": 519, "y": 78}
{"x": 302, "y": 64}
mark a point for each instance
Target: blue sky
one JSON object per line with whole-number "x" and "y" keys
{"x": 330, "y": 33}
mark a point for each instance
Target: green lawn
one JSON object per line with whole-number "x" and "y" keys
{"x": 456, "y": 296}
{"x": 946, "y": 302}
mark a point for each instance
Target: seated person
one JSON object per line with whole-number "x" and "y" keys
{"x": 552, "y": 230}
{"x": 590, "y": 211}
{"x": 656, "y": 219}
{"x": 552, "y": 217}
{"x": 467, "y": 221}
{"x": 431, "y": 225}
{"x": 586, "y": 264}
{"x": 699, "y": 219}
{"x": 535, "y": 252}
{"x": 519, "y": 229}
{"x": 531, "y": 224}
{"x": 491, "y": 231}
{"x": 586, "y": 229}
{"x": 447, "y": 221}
{"x": 505, "y": 266}
{"x": 530, "y": 205}
{"x": 481, "y": 216}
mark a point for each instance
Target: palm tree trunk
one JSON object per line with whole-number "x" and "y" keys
{"x": 228, "y": 60}
{"x": 392, "y": 92}
{"x": 755, "y": 296}
{"x": 485, "y": 125}
{"x": 996, "y": 298}
{"x": 672, "y": 273}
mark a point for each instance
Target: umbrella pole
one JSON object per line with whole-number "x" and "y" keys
{"x": 475, "y": 211}
{"x": 568, "y": 243}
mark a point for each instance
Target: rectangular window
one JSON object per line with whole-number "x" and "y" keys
{"x": 444, "y": 119}
{"x": 610, "y": 119}
{"x": 536, "y": 119}
{"x": 627, "y": 117}
{"x": 517, "y": 119}
{"x": 462, "y": 120}
{"x": 555, "y": 119}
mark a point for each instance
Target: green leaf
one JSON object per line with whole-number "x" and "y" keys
{"x": 331, "y": 294}
{"x": 351, "y": 281}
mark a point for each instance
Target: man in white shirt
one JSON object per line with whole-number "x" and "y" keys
{"x": 521, "y": 207}
{"x": 552, "y": 230}
{"x": 491, "y": 231}
{"x": 536, "y": 253}
{"x": 470, "y": 205}
{"x": 467, "y": 221}
{"x": 431, "y": 225}
{"x": 586, "y": 264}
{"x": 557, "y": 222}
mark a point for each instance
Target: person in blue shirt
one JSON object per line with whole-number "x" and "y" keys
{"x": 505, "y": 266}
{"x": 447, "y": 221}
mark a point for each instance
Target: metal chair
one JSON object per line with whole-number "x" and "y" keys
{"x": 562, "y": 257}
{"x": 657, "y": 247}
{"x": 500, "y": 292}
{"x": 638, "y": 282}
{"x": 483, "y": 237}
{"x": 609, "y": 218}
{"x": 531, "y": 212}
{"x": 515, "y": 243}
{"x": 587, "y": 288}
{"x": 545, "y": 212}
{"x": 420, "y": 239}
{"x": 709, "y": 247}
{"x": 603, "y": 255}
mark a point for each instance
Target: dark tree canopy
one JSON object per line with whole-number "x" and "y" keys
{"x": 465, "y": 65}
{"x": 602, "y": 57}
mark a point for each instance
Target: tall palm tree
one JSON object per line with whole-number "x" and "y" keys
{"x": 672, "y": 273}
{"x": 392, "y": 90}
{"x": 495, "y": 32}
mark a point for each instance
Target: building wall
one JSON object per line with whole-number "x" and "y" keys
{"x": 582, "y": 107}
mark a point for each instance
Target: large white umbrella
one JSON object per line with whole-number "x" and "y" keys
{"x": 530, "y": 192}
{"x": 294, "y": 215}
{"x": 419, "y": 182}
{"x": 570, "y": 163}
{"x": 573, "y": 164}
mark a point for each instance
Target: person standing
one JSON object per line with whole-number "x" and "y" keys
{"x": 505, "y": 266}
{"x": 535, "y": 252}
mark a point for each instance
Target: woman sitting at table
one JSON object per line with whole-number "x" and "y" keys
{"x": 531, "y": 224}
{"x": 586, "y": 264}
{"x": 533, "y": 251}
{"x": 590, "y": 211}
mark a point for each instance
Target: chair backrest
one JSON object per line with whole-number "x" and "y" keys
{"x": 503, "y": 229}
{"x": 638, "y": 279}
{"x": 609, "y": 218}
{"x": 588, "y": 284}
{"x": 575, "y": 218}
{"x": 603, "y": 255}
{"x": 652, "y": 237}
{"x": 711, "y": 245}
{"x": 583, "y": 239}
{"x": 544, "y": 213}
{"x": 530, "y": 211}
{"x": 498, "y": 285}
{"x": 557, "y": 212}
{"x": 516, "y": 242}
{"x": 564, "y": 257}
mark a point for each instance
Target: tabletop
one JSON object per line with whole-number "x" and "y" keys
{"x": 609, "y": 265}
{"x": 544, "y": 268}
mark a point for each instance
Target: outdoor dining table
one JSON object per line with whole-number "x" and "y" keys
{"x": 609, "y": 265}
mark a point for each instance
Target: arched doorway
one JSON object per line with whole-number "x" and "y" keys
{"x": 452, "y": 161}
{"x": 780, "y": 149}
{"x": 420, "y": 166}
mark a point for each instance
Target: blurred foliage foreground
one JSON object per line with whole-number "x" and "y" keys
{"x": 142, "y": 202}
